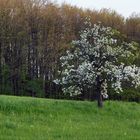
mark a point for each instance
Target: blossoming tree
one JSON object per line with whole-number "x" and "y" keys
{"x": 95, "y": 60}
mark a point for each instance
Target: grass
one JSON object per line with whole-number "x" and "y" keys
{"x": 25, "y": 118}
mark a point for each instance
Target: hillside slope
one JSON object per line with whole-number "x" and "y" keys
{"x": 25, "y": 118}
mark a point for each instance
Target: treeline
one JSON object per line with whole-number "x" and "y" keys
{"x": 35, "y": 33}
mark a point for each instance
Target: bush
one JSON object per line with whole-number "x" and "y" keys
{"x": 129, "y": 94}
{"x": 34, "y": 88}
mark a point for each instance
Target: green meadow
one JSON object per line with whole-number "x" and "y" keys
{"x": 25, "y": 118}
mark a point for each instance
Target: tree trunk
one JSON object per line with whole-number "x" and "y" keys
{"x": 100, "y": 100}
{"x": 98, "y": 93}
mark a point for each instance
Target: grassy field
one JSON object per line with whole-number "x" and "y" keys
{"x": 23, "y": 118}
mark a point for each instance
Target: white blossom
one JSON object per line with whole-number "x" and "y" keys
{"x": 97, "y": 54}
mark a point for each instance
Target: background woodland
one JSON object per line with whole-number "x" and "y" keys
{"x": 35, "y": 33}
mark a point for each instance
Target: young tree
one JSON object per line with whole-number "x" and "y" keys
{"x": 96, "y": 60}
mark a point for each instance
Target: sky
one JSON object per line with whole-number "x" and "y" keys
{"x": 123, "y": 7}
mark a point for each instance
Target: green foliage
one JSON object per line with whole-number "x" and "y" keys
{"x": 136, "y": 52}
{"x": 129, "y": 94}
{"x": 5, "y": 83}
{"x": 24, "y": 118}
{"x": 34, "y": 88}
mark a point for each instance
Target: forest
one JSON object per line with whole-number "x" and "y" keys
{"x": 35, "y": 33}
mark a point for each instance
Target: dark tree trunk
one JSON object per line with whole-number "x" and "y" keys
{"x": 98, "y": 92}
{"x": 33, "y": 55}
{"x": 100, "y": 100}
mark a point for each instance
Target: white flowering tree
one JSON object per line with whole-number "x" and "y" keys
{"x": 95, "y": 60}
